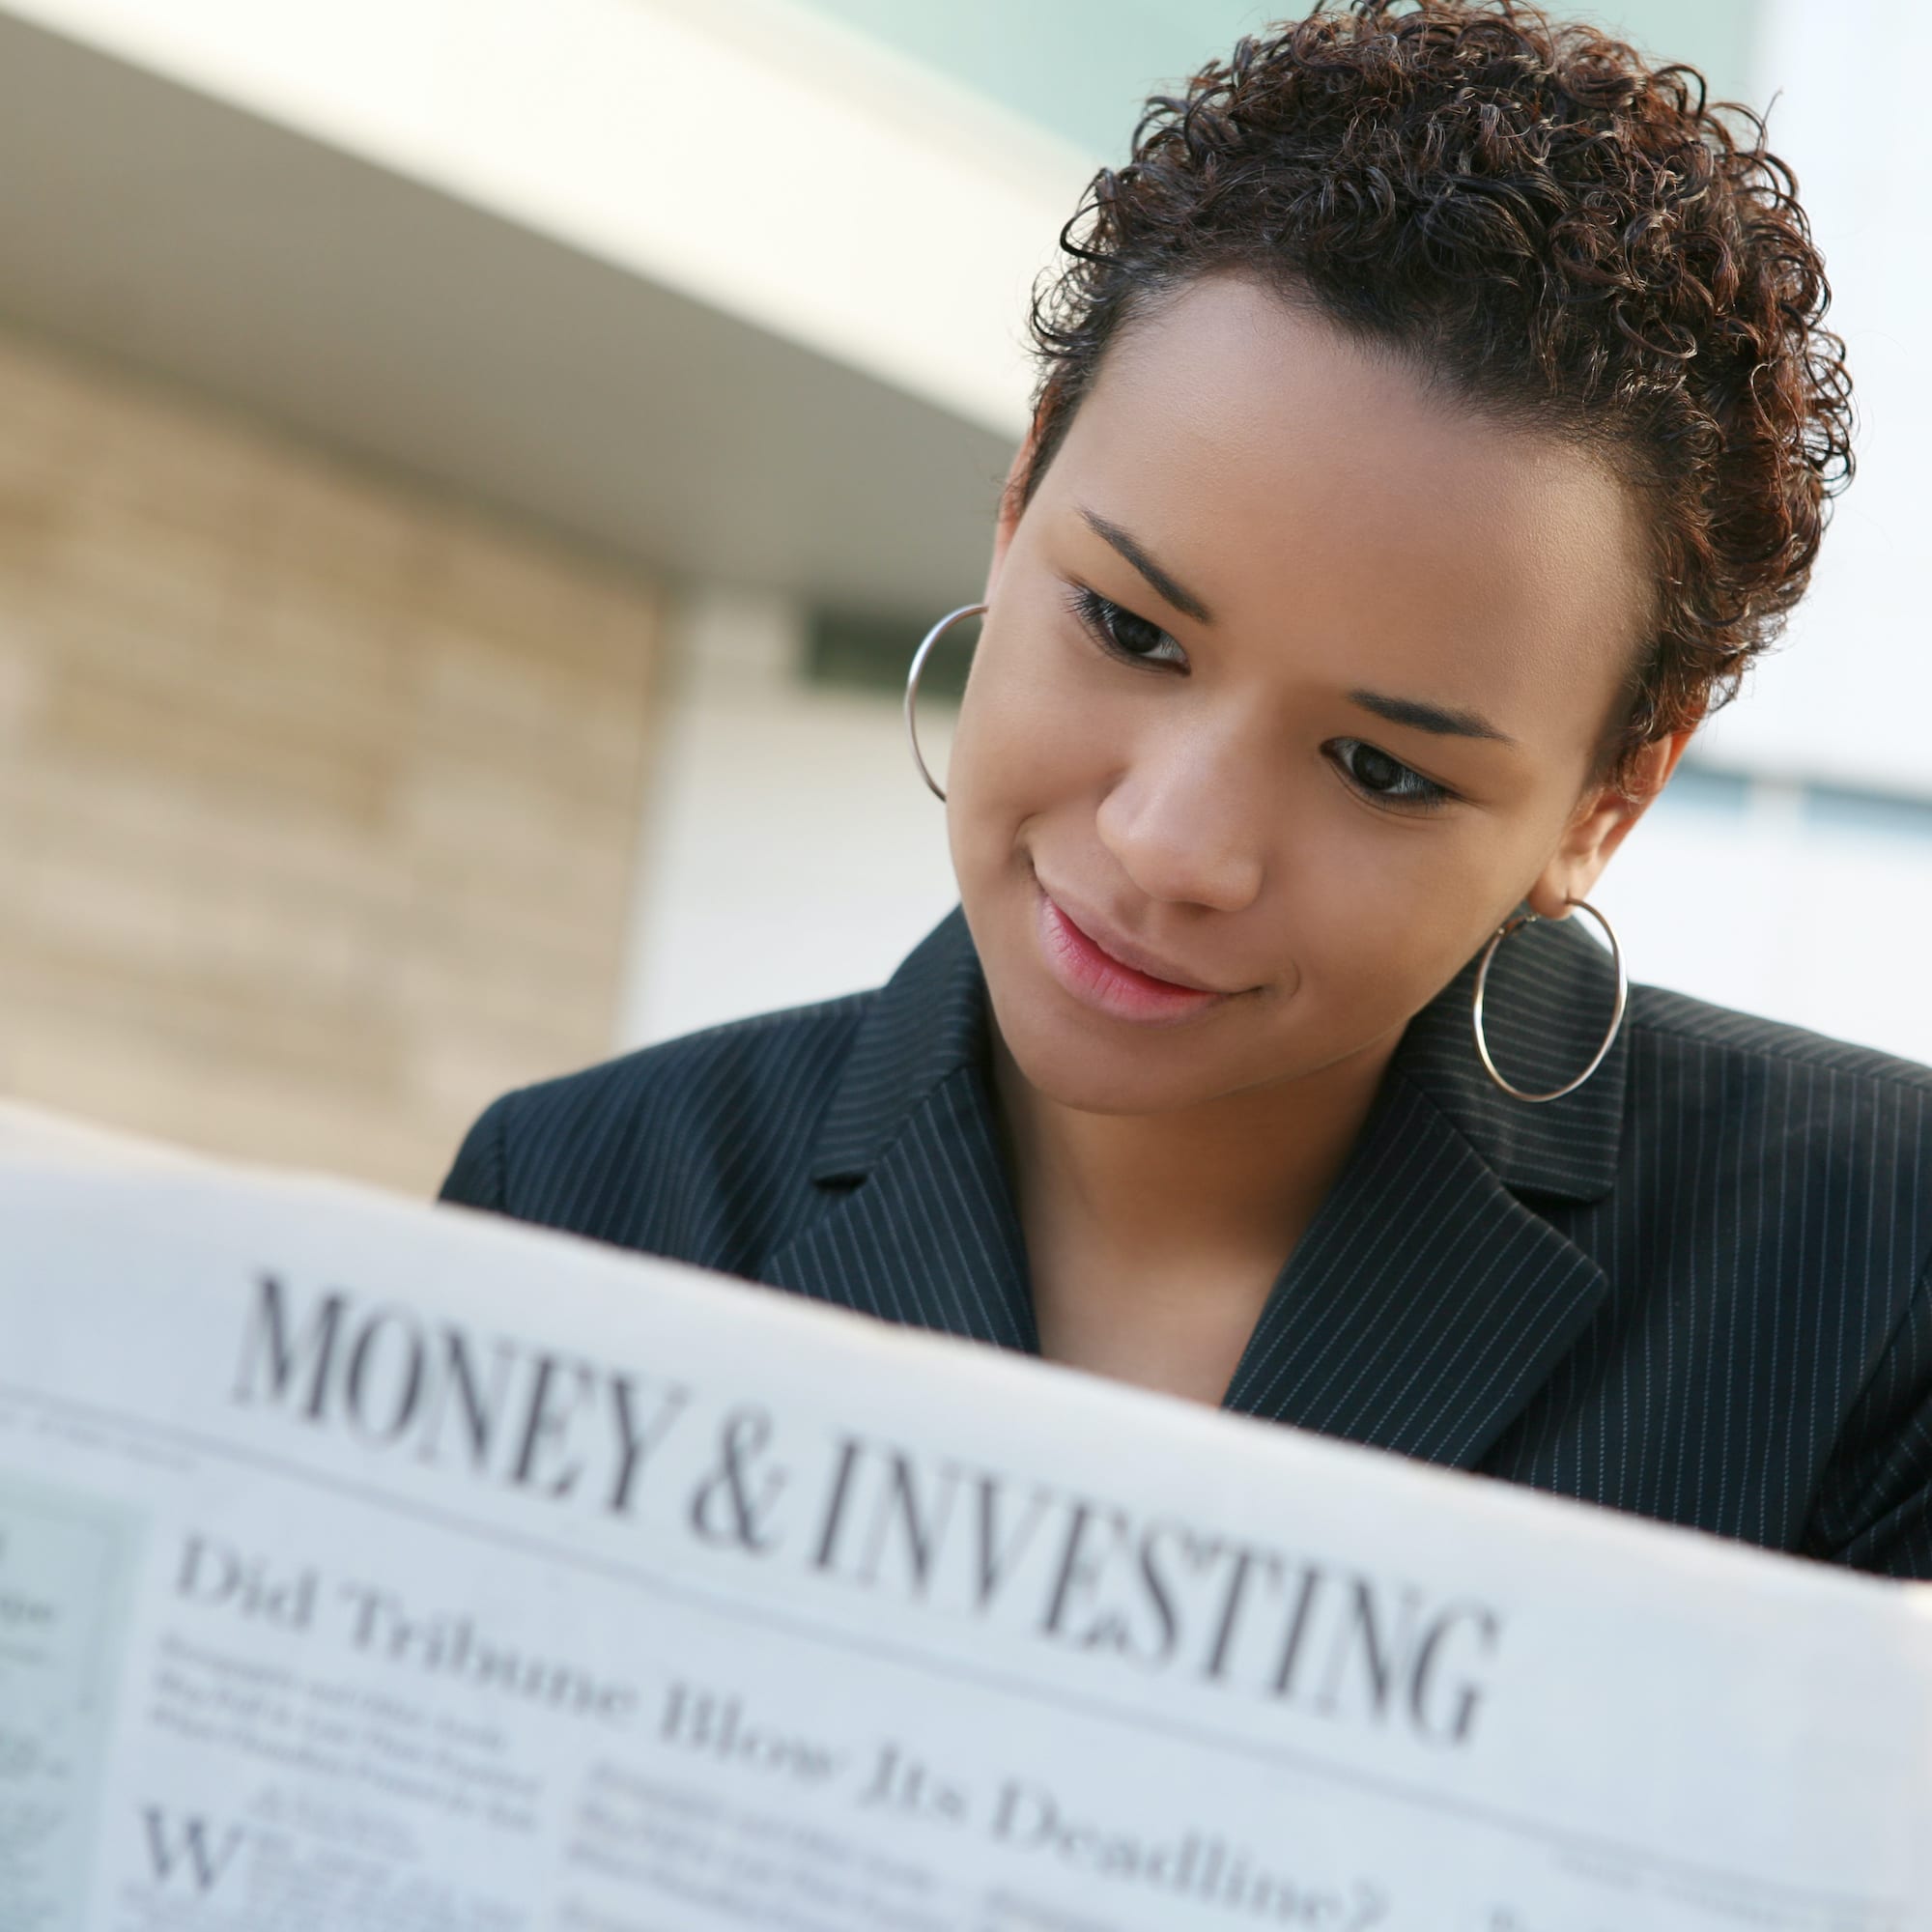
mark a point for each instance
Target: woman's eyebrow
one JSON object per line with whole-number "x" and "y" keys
{"x": 1436, "y": 717}
{"x": 1179, "y": 595}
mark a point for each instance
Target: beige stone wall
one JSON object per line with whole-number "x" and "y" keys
{"x": 318, "y": 795}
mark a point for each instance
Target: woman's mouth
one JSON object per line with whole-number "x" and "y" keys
{"x": 1094, "y": 978}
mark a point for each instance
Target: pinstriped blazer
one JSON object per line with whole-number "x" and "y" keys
{"x": 1700, "y": 1288}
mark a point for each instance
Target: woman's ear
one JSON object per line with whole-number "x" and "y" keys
{"x": 1008, "y": 517}
{"x": 1601, "y": 824}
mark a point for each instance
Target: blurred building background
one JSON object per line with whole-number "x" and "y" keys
{"x": 472, "y": 472}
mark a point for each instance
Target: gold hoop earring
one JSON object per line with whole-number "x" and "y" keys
{"x": 931, "y": 637}
{"x": 1502, "y": 933}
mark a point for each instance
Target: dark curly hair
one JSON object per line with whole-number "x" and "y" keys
{"x": 1530, "y": 215}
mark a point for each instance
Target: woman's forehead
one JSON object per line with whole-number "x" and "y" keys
{"x": 1272, "y": 462}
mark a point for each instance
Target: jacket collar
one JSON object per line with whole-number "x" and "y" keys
{"x": 1424, "y": 1304}
{"x": 930, "y": 1020}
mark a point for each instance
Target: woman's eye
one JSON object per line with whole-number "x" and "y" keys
{"x": 1116, "y": 630}
{"x": 1385, "y": 779}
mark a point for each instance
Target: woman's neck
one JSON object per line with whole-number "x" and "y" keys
{"x": 1240, "y": 1176}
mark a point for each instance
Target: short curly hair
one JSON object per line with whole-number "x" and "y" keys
{"x": 1531, "y": 214}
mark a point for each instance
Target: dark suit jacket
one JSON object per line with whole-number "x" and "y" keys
{"x": 1697, "y": 1289}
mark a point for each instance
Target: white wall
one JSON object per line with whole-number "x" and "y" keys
{"x": 1796, "y": 901}
{"x": 1849, "y": 694}
{"x": 792, "y": 852}
{"x": 1798, "y": 906}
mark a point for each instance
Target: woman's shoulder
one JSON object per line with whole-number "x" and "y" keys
{"x": 739, "y": 1095}
{"x": 787, "y": 1046}
{"x": 1746, "y": 1090}
{"x": 1678, "y": 1027}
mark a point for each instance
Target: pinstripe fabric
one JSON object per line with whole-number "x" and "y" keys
{"x": 1700, "y": 1288}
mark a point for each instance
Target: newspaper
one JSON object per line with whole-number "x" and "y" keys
{"x": 373, "y": 1565}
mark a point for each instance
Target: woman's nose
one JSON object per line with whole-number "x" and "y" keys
{"x": 1184, "y": 828}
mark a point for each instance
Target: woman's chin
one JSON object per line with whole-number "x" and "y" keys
{"x": 1067, "y": 1059}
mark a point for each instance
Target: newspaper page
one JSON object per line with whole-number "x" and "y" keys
{"x": 371, "y": 1565}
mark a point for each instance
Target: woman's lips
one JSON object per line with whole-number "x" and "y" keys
{"x": 1096, "y": 978}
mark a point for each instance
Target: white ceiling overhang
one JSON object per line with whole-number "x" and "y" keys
{"x": 723, "y": 289}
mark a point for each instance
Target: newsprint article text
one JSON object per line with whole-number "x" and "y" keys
{"x": 371, "y": 1565}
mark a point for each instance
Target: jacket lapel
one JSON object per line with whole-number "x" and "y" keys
{"x": 1427, "y": 1303}
{"x": 1423, "y": 1307}
{"x": 923, "y": 1226}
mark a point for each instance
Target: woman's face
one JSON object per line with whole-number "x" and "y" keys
{"x": 1292, "y": 679}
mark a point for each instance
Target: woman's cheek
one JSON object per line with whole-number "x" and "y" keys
{"x": 1028, "y": 739}
{"x": 1000, "y": 776}
{"x": 1348, "y": 932}
{"x": 1385, "y": 916}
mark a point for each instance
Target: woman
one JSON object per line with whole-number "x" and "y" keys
{"x": 1435, "y": 421}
